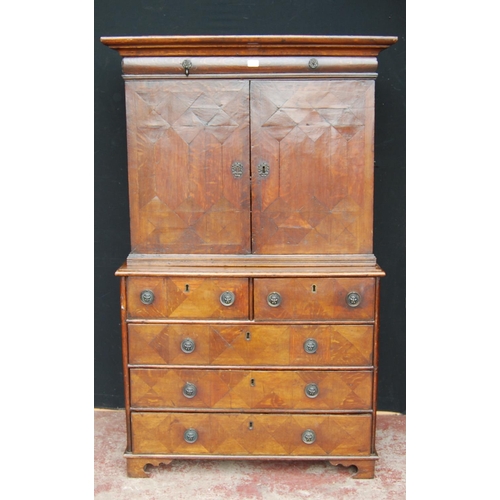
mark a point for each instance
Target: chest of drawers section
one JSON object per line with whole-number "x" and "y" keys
{"x": 250, "y": 368}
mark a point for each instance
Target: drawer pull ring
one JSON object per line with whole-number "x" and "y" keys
{"x": 313, "y": 63}
{"x": 189, "y": 390}
{"x": 311, "y": 390}
{"x": 190, "y": 435}
{"x": 308, "y": 436}
{"x": 353, "y": 299}
{"x": 274, "y": 299}
{"x": 310, "y": 346}
{"x": 187, "y": 65}
{"x": 188, "y": 346}
{"x": 227, "y": 298}
{"x": 147, "y": 297}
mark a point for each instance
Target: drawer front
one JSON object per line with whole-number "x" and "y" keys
{"x": 251, "y": 345}
{"x": 314, "y": 298}
{"x": 250, "y": 434}
{"x": 251, "y": 389}
{"x": 187, "y": 297}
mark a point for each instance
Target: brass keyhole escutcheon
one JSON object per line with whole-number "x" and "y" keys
{"x": 237, "y": 169}
{"x": 263, "y": 169}
{"x": 187, "y": 65}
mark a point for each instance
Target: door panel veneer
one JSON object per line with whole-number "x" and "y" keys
{"x": 316, "y": 137}
{"x": 182, "y": 143}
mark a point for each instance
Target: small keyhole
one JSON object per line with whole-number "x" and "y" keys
{"x": 187, "y": 288}
{"x": 250, "y": 426}
{"x": 248, "y": 336}
{"x": 252, "y": 382}
{"x": 314, "y": 288}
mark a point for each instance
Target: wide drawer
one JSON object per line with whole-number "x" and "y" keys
{"x": 251, "y": 345}
{"x": 187, "y": 297}
{"x": 250, "y": 434}
{"x": 314, "y": 298}
{"x": 251, "y": 389}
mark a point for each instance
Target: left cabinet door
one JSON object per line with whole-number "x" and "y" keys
{"x": 188, "y": 156}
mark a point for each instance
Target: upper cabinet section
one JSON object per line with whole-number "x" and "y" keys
{"x": 250, "y": 145}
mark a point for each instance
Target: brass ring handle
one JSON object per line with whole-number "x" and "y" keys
{"x": 227, "y": 298}
{"x": 189, "y": 390}
{"x": 188, "y": 345}
{"x": 190, "y": 435}
{"x": 353, "y": 299}
{"x": 308, "y": 436}
{"x": 274, "y": 299}
{"x": 147, "y": 297}
{"x": 313, "y": 63}
{"x": 310, "y": 346}
{"x": 311, "y": 390}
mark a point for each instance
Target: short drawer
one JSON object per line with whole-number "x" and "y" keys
{"x": 193, "y": 298}
{"x": 251, "y": 434}
{"x": 250, "y": 345}
{"x": 251, "y": 389}
{"x": 314, "y": 298}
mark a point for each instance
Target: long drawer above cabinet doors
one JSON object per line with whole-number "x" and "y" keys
{"x": 251, "y": 389}
{"x": 286, "y": 299}
{"x": 187, "y": 298}
{"x": 250, "y": 345}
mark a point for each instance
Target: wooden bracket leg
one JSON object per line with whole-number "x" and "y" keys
{"x": 366, "y": 468}
{"x": 136, "y": 466}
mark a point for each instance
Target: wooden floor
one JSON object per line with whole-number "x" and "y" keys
{"x": 249, "y": 480}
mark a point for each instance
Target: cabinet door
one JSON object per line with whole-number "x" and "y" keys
{"x": 312, "y": 166}
{"x": 189, "y": 166}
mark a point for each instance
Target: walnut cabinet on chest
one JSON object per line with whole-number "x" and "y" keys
{"x": 250, "y": 296}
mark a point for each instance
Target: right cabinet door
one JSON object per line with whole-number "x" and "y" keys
{"x": 312, "y": 166}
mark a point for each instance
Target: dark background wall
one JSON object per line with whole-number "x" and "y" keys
{"x": 247, "y": 17}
